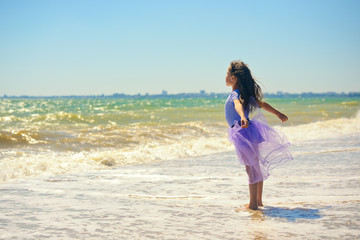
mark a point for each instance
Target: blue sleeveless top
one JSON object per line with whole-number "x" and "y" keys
{"x": 231, "y": 114}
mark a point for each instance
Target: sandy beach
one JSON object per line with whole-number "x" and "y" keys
{"x": 315, "y": 196}
{"x": 115, "y": 119}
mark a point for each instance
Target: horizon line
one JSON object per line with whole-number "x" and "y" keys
{"x": 200, "y": 93}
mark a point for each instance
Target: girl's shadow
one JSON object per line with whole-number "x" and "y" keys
{"x": 292, "y": 214}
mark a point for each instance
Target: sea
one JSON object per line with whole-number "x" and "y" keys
{"x": 163, "y": 168}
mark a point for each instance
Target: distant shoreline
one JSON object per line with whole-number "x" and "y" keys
{"x": 202, "y": 94}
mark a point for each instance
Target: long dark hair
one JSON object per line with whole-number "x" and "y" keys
{"x": 246, "y": 84}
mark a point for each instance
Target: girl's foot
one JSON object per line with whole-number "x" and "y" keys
{"x": 260, "y": 204}
{"x": 245, "y": 207}
{"x": 253, "y": 207}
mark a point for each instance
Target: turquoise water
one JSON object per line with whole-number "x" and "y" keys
{"x": 51, "y": 112}
{"x": 307, "y": 110}
{"x": 45, "y": 121}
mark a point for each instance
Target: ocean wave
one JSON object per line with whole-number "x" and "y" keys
{"x": 111, "y": 135}
{"x": 22, "y": 163}
{"x": 322, "y": 129}
{"x": 20, "y": 137}
{"x": 350, "y": 103}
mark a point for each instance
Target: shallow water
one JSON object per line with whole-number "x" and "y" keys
{"x": 315, "y": 196}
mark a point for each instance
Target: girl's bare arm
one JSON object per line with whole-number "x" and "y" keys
{"x": 270, "y": 109}
{"x": 240, "y": 110}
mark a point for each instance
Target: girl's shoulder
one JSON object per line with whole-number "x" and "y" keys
{"x": 234, "y": 95}
{"x": 237, "y": 91}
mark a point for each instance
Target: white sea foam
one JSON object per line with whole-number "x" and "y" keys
{"x": 322, "y": 129}
{"x": 19, "y": 164}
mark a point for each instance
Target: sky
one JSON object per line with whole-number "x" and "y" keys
{"x": 103, "y": 47}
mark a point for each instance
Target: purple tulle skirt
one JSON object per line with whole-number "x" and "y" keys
{"x": 259, "y": 147}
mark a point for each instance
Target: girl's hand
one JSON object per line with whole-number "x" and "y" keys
{"x": 282, "y": 117}
{"x": 244, "y": 123}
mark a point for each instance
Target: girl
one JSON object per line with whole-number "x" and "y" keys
{"x": 258, "y": 146}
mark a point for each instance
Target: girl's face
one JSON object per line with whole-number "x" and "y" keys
{"x": 230, "y": 80}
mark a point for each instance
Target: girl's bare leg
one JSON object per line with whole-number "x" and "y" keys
{"x": 259, "y": 193}
{"x": 260, "y": 184}
{"x": 253, "y": 190}
{"x": 253, "y": 196}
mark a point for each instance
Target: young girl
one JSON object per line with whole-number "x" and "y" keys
{"x": 258, "y": 146}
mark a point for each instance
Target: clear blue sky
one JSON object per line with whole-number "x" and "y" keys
{"x": 93, "y": 47}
